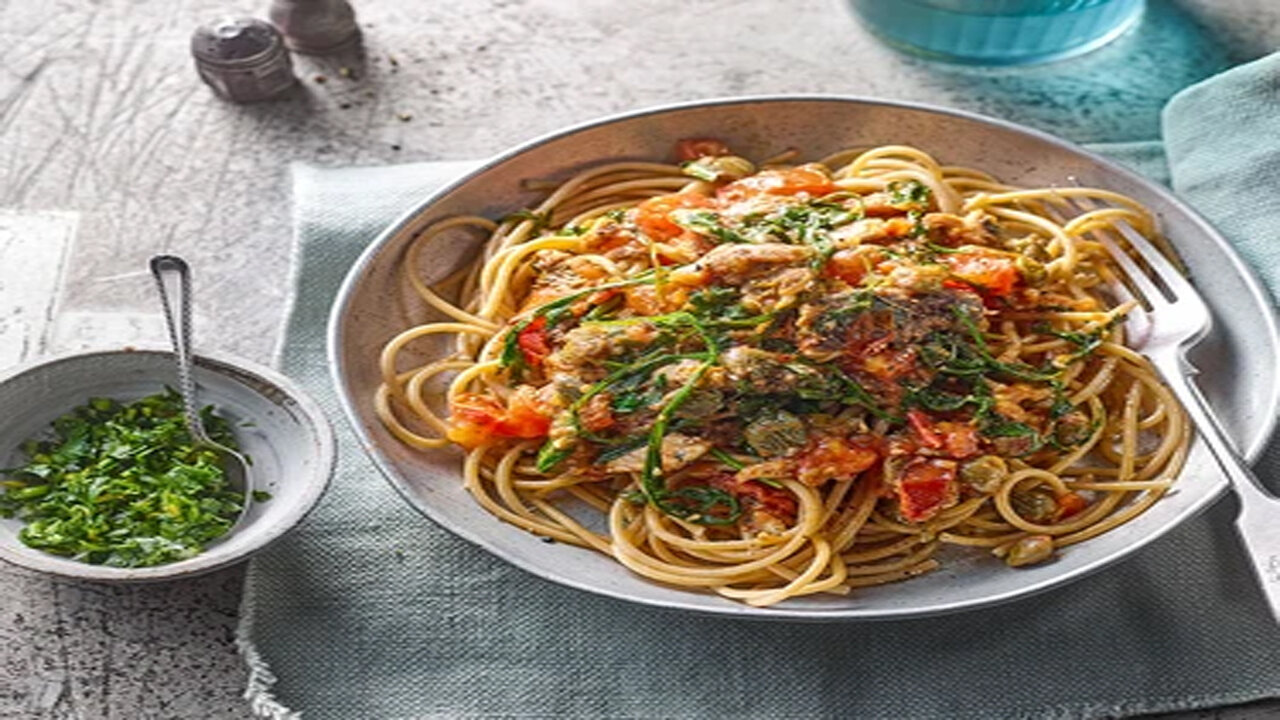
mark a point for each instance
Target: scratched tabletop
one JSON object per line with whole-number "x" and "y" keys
{"x": 111, "y": 150}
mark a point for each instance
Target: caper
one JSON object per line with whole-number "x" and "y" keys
{"x": 1032, "y": 271}
{"x": 1036, "y": 506}
{"x": 1072, "y": 429}
{"x": 984, "y": 474}
{"x": 1029, "y": 550}
{"x": 1029, "y": 247}
{"x": 774, "y": 433}
{"x": 700, "y": 403}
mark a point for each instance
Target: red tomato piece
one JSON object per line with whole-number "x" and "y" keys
{"x": 790, "y": 181}
{"x": 476, "y": 418}
{"x": 996, "y": 274}
{"x": 829, "y": 457}
{"x": 653, "y": 216}
{"x": 471, "y": 419}
{"x": 959, "y": 440}
{"x": 533, "y": 343}
{"x": 597, "y": 414}
{"x": 1069, "y": 503}
{"x": 526, "y": 416}
{"x": 694, "y": 148}
{"x": 922, "y": 425}
{"x": 926, "y": 487}
{"x": 852, "y": 265}
{"x": 756, "y": 494}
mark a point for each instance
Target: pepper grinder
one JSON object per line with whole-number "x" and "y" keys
{"x": 242, "y": 59}
{"x": 314, "y": 27}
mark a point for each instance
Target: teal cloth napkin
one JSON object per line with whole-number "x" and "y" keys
{"x": 368, "y": 610}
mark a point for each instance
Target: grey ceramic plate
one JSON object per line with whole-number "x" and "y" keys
{"x": 1240, "y": 374}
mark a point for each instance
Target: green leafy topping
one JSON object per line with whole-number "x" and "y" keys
{"x": 855, "y": 394}
{"x": 997, "y": 426}
{"x": 613, "y": 452}
{"x": 123, "y": 485}
{"x": 701, "y": 504}
{"x": 727, "y": 459}
{"x": 1086, "y": 342}
{"x": 541, "y": 221}
{"x": 979, "y": 359}
{"x": 555, "y": 312}
{"x": 911, "y": 193}
{"x": 549, "y": 456}
{"x": 705, "y": 222}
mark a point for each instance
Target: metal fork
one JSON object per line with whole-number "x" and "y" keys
{"x": 1176, "y": 319}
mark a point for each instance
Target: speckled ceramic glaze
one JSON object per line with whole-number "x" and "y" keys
{"x": 1240, "y": 374}
{"x": 283, "y": 431}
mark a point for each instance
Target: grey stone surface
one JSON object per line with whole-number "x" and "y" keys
{"x": 104, "y": 124}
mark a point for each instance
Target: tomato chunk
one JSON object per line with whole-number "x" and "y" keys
{"x": 532, "y": 341}
{"x": 957, "y": 440}
{"x": 790, "y": 181}
{"x": 476, "y": 418}
{"x": 755, "y": 494}
{"x": 927, "y": 486}
{"x": 830, "y": 457}
{"x": 852, "y": 265}
{"x": 694, "y": 148}
{"x": 1069, "y": 503}
{"x": 996, "y": 274}
{"x": 922, "y": 425}
{"x": 653, "y": 216}
{"x": 597, "y": 414}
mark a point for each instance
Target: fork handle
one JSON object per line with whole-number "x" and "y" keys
{"x": 1257, "y": 522}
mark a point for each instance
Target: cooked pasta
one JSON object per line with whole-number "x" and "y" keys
{"x": 775, "y": 381}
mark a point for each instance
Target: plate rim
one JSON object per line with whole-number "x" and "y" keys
{"x": 1256, "y": 290}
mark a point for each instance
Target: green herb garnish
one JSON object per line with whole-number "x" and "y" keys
{"x": 123, "y": 485}
{"x": 911, "y": 193}
{"x": 706, "y": 222}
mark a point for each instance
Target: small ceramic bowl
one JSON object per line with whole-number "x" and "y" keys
{"x": 284, "y": 432}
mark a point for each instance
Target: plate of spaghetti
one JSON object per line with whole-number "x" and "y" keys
{"x": 791, "y": 357}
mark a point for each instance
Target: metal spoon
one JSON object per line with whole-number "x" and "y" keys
{"x": 167, "y": 269}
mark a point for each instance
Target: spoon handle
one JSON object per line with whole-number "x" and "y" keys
{"x": 173, "y": 270}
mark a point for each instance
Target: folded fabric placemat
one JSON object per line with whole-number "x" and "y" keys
{"x": 369, "y": 610}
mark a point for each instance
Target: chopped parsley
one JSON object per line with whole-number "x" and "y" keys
{"x": 123, "y": 484}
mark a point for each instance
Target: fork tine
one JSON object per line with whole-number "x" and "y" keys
{"x": 1166, "y": 269}
{"x": 1159, "y": 263}
{"x": 1138, "y": 321}
{"x": 1152, "y": 294}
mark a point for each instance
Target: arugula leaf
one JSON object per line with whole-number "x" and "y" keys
{"x": 555, "y": 312}
{"x": 855, "y": 394}
{"x": 696, "y": 503}
{"x": 987, "y": 363}
{"x": 620, "y": 449}
{"x": 549, "y": 456}
{"x": 726, "y": 458}
{"x": 541, "y": 221}
{"x": 705, "y": 222}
